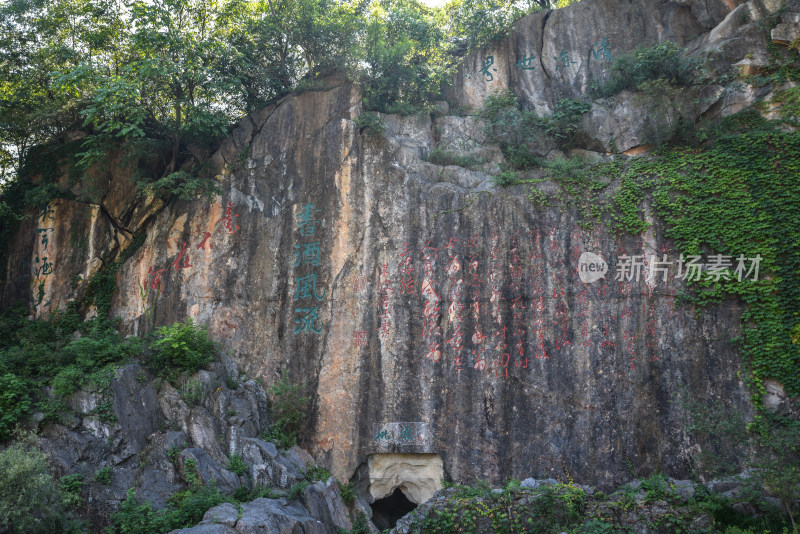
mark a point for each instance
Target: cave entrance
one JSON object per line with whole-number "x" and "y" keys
{"x": 398, "y": 482}
{"x": 386, "y": 511}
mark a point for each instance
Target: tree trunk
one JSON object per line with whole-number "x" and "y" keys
{"x": 176, "y": 144}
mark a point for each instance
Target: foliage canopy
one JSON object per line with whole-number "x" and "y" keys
{"x": 168, "y": 77}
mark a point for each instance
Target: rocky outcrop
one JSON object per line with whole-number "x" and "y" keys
{"x": 159, "y": 442}
{"x": 555, "y": 55}
{"x": 261, "y": 516}
{"x": 655, "y": 505}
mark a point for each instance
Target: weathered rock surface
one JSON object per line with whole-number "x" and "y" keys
{"x": 133, "y": 441}
{"x": 324, "y": 503}
{"x": 553, "y": 55}
{"x": 438, "y": 315}
{"x": 425, "y": 310}
{"x": 261, "y": 516}
{"x": 268, "y": 467}
{"x": 669, "y": 511}
{"x": 156, "y": 462}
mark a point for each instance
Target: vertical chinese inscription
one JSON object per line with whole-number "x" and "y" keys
{"x": 307, "y": 255}
{"x": 384, "y": 313}
{"x": 432, "y": 311}
{"x": 43, "y": 261}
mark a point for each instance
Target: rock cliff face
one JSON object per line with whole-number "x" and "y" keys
{"x": 428, "y": 311}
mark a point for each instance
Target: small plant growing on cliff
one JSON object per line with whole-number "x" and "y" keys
{"x": 14, "y": 403}
{"x": 103, "y": 476}
{"x": 360, "y": 526}
{"x": 506, "y": 178}
{"x": 439, "y": 156}
{"x": 181, "y": 347}
{"x": 662, "y": 61}
{"x": 71, "y": 486}
{"x": 185, "y": 509}
{"x": 348, "y": 493}
{"x": 371, "y": 125}
{"x": 297, "y": 490}
{"x": 194, "y": 391}
{"x": 237, "y": 465}
{"x": 287, "y": 407}
{"x": 172, "y": 454}
{"x": 314, "y": 474}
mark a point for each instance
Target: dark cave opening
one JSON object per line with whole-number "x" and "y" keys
{"x": 386, "y": 511}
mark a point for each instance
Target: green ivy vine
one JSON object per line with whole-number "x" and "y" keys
{"x": 740, "y": 196}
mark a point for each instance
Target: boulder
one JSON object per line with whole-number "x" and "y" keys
{"x": 207, "y": 469}
{"x": 267, "y": 516}
{"x": 267, "y": 466}
{"x": 324, "y": 502}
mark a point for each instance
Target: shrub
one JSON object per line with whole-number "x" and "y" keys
{"x": 63, "y": 351}
{"x": 71, "y": 486}
{"x": 314, "y": 474}
{"x": 778, "y": 437}
{"x": 194, "y": 391}
{"x": 360, "y": 525}
{"x": 407, "y": 108}
{"x": 68, "y": 380}
{"x": 242, "y": 494}
{"x": 348, "y": 493}
{"x": 519, "y": 158}
{"x": 185, "y": 509}
{"x": 566, "y": 170}
{"x": 296, "y": 490}
{"x": 103, "y": 476}
{"x": 506, "y": 178}
{"x": 236, "y": 464}
{"x": 172, "y": 454}
{"x": 513, "y": 128}
{"x": 562, "y": 125}
{"x": 507, "y": 124}
{"x": 14, "y": 403}
{"x": 439, "y": 156}
{"x": 662, "y": 61}
{"x": 30, "y": 500}
{"x": 371, "y": 124}
{"x": 287, "y": 407}
{"x": 133, "y": 518}
{"x": 721, "y": 431}
{"x": 181, "y": 347}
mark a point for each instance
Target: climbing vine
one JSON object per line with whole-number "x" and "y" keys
{"x": 738, "y": 197}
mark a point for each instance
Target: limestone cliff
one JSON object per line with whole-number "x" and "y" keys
{"x": 427, "y": 310}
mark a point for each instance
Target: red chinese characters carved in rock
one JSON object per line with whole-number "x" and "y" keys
{"x": 360, "y": 338}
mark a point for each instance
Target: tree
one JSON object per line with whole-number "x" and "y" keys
{"x": 470, "y": 24}
{"x": 266, "y": 63}
{"x": 164, "y": 79}
{"x": 170, "y": 79}
{"x": 38, "y": 39}
{"x": 30, "y": 500}
{"x": 404, "y": 60}
{"x": 327, "y": 31}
